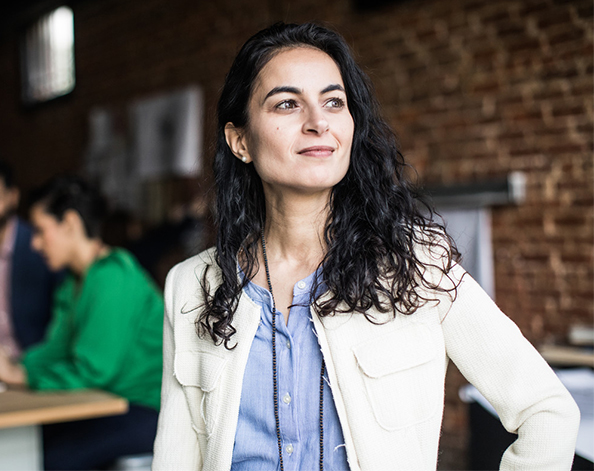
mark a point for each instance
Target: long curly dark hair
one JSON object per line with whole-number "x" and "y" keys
{"x": 377, "y": 218}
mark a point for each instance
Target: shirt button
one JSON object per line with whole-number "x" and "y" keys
{"x": 289, "y": 449}
{"x": 287, "y": 398}
{"x": 301, "y": 285}
{"x": 288, "y": 344}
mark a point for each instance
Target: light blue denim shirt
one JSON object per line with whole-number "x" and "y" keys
{"x": 299, "y": 361}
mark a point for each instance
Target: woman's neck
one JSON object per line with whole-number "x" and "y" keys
{"x": 295, "y": 247}
{"x": 295, "y": 228}
{"x": 85, "y": 253}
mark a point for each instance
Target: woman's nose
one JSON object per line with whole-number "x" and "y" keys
{"x": 316, "y": 122}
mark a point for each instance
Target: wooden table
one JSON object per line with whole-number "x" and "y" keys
{"x": 23, "y": 411}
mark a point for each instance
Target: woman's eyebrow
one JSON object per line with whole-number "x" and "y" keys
{"x": 283, "y": 89}
{"x": 331, "y": 88}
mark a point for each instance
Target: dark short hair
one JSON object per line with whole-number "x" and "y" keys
{"x": 64, "y": 193}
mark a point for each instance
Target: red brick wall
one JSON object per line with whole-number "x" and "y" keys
{"x": 474, "y": 88}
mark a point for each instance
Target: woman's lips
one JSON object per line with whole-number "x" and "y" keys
{"x": 317, "y": 151}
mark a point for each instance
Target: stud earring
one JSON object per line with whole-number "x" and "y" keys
{"x": 244, "y": 159}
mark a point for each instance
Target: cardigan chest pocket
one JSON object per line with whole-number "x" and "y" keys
{"x": 402, "y": 376}
{"x": 199, "y": 374}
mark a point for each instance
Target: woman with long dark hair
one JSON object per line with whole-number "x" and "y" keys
{"x": 316, "y": 334}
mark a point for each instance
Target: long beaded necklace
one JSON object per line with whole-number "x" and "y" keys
{"x": 274, "y": 376}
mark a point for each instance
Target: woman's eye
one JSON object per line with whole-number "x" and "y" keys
{"x": 286, "y": 105}
{"x": 336, "y": 103}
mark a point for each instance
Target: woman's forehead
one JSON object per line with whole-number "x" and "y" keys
{"x": 298, "y": 67}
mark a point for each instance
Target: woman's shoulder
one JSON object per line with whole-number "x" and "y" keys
{"x": 186, "y": 280}
{"x": 116, "y": 260}
{"x": 193, "y": 268}
{"x": 119, "y": 266}
{"x": 431, "y": 247}
{"x": 437, "y": 258}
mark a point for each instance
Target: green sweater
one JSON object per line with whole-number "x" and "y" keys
{"x": 106, "y": 333}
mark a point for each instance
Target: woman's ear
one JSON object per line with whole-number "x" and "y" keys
{"x": 236, "y": 140}
{"x": 72, "y": 222}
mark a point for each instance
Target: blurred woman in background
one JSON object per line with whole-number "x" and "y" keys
{"x": 106, "y": 331}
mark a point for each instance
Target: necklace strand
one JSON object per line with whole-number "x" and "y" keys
{"x": 274, "y": 374}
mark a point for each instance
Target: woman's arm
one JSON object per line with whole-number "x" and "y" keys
{"x": 494, "y": 356}
{"x": 87, "y": 344}
{"x": 11, "y": 373}
{"x": 176, "y": 446}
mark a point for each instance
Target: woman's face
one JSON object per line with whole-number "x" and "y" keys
{"x": 51, "y": 238}
{"x": 300, "y": 130}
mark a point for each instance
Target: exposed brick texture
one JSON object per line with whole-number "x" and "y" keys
{"x": 474, "y": 88}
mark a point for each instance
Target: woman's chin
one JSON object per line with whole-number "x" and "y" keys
{"x": 55, "y": 265}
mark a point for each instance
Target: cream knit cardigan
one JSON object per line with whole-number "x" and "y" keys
{"x": 387, "y": 380}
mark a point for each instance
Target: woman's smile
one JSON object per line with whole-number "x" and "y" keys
{"x": 317, "y": 151}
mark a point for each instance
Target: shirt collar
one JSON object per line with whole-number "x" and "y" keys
{"x": 301, "y": 290}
